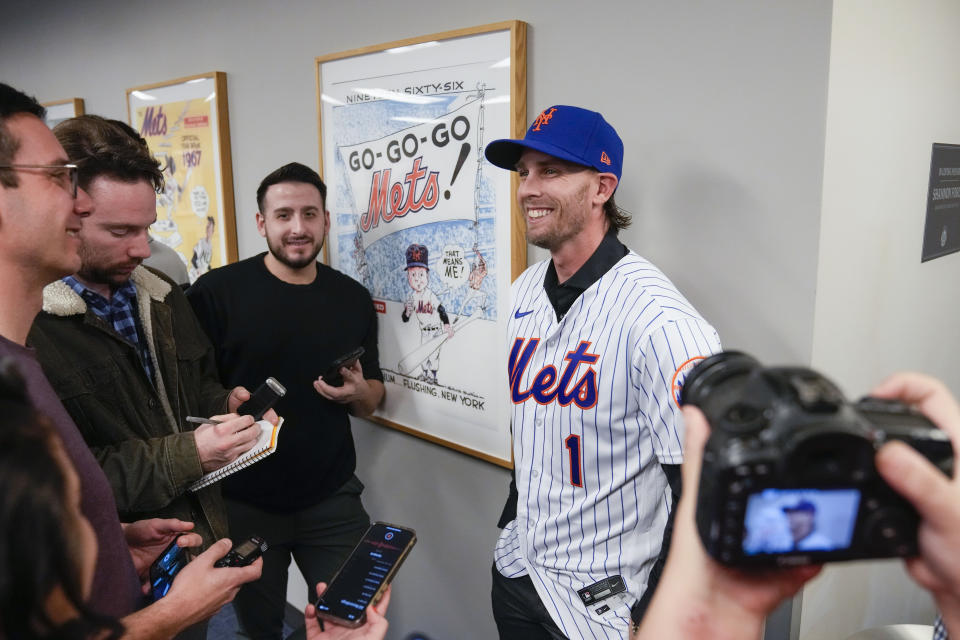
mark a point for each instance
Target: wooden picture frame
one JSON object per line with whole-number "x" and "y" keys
{"x": 430, "y": 227}
{"x": 186, "y": 123}
{"x": 60, "y": 110}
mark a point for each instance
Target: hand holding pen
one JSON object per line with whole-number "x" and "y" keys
{"x": 222, "y": 439}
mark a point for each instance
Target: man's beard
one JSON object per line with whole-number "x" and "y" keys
{"x": 555, "y": 238}
{"x": 570, "y": 219}
{"x": 299, "y": 263}
{"x": 95, "y": 273}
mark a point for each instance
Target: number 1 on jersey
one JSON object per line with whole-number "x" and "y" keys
{"x": 576, "y": 468}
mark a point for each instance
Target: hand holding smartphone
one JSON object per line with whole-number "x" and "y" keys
{"x": 332, "y": 375}
{"x": 165, "y": 568}
{"x": 366, "y": 574}
{"x": 174, "y": 558}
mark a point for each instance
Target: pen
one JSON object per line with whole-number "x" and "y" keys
{"x": 197, "y": 420}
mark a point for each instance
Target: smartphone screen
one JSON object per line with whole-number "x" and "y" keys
{"x": 165, "y": 568}
{"x": 366, "y": 572}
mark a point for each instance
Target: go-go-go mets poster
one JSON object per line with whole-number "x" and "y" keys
{"x": 427, "y": 224}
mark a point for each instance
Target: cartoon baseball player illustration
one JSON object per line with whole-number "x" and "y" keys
{"x": 170, "y": 197}
{"x": 426, "y": 306}
{"x": 478, "y": 270}
{"x": 360, "y": 258}
{"x": 203, "y": 252}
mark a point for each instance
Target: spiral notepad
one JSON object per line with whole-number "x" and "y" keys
{"x": 265, "y": 445}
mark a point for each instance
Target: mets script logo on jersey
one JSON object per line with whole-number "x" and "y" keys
{"x": 424, "y": 306}
{"x": 547, "y": 385}
{"x": 543, "y": 119}
{"x": 676, "y": 384}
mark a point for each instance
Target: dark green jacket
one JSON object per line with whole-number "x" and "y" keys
{"x": 135, "y": 429}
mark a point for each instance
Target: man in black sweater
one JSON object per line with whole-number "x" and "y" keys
{"x": 285, "y": 315}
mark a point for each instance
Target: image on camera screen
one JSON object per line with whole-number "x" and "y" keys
{"x": 785, "y": 520}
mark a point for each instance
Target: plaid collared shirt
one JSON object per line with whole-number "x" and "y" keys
{"x": 120, "y": 312}
{"x": 939, "y": 632}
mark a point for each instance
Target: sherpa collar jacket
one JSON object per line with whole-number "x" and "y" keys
{"x": 136, "y": 427}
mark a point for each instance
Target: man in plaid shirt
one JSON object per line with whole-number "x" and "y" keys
{"x": 118, "y": 311}
{"x": 123, "y": 350}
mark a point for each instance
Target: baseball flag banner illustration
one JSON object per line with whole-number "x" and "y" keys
{"x": 409, "y": 178}
{"x": 424, "y": 222}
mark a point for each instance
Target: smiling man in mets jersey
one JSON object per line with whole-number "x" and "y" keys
{"x": 600, "y": 342}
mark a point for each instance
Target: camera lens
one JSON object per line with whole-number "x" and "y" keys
{"x": 743, "y": 418}
{"x": 712, "y": 372}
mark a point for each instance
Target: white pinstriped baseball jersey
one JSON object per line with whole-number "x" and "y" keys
{"x": 594, "y": 415}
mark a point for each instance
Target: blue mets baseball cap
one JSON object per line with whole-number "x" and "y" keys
{"x": 416, "y": 255}
{"x": 803, "y": 505}
{"x": 577, "y": 135}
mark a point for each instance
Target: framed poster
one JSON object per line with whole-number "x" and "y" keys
{"x": 186, "y": 125}
{"x": 427, "y": 224}
{"x": 61, "y": 110}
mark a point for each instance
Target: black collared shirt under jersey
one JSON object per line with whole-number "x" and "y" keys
{"x": 563, "y": 295}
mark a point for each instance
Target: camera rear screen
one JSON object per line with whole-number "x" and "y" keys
{"x": 788, "y": 520}
{"x": 365, "y": 571}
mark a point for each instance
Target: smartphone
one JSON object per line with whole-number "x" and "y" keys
{"x": 244, "y": 553}
{"x": 262, "y": 399}
{"x": 366, "y": 574}
{"x": 165, "y": 568}
{"x": 332, "y": 375}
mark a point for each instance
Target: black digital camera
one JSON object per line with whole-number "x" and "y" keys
{"x": 788, "y": 473}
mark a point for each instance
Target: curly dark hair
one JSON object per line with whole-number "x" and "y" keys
{"x": 13, "y": 102}
{"x": 38, "y": 552}
{"x": 111, "y": 148}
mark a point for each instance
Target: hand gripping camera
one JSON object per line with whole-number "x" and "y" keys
{"x": 788, "y": 472}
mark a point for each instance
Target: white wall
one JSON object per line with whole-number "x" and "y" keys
{"x": 721, "y": 106}
{"x": 894, "y": 90}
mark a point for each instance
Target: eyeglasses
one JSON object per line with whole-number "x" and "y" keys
{"x": 66, "y": 175}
